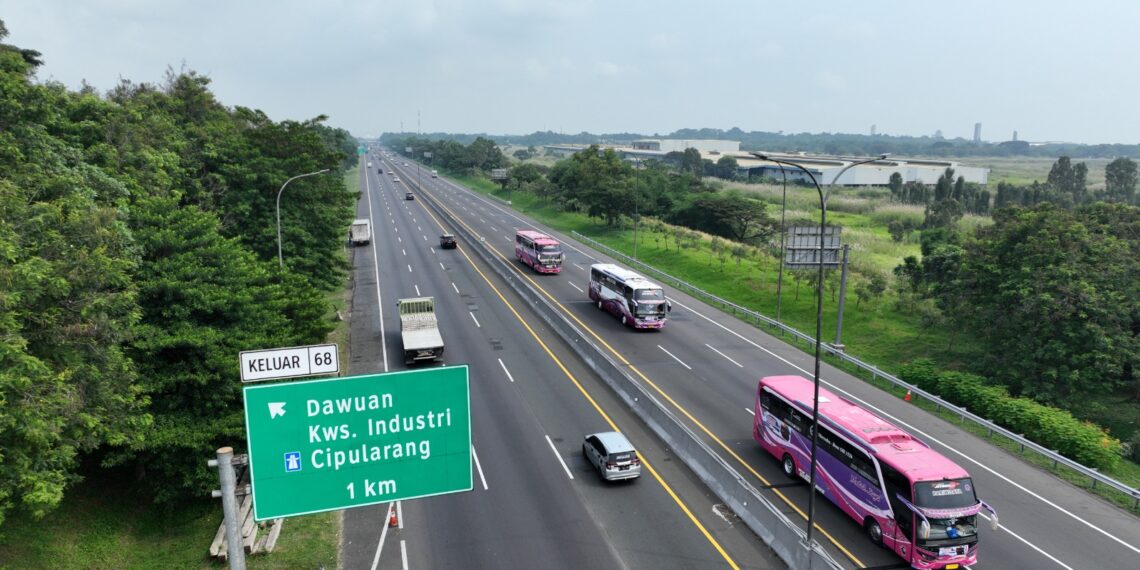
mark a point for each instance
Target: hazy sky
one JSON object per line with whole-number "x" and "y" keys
{"x": 1059, "y": 71}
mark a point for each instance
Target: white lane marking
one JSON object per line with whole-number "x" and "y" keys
{"x": 475, "y": 456}
{"x": 394, "y": 228}
{"x": 456, "y": 288}
{"x": 409, "y": 268}
{"x": 441, "y": 266}
{"x": 419, "y": 228}
{"x": 724, "y": 355}
{"x": 575, "y": 286}
{"x": 403, "y": 549}
{"x": 380, "y": 545}
{"x": 674, "y": 357}
{"x": 404, "y": 251}
{"x": 509, "y": 238}
{"x": 482, "y": 221}
{"x": 432, "y": 249}
{"x": 559, "y": 456}
{"x": 425, "y": 238}
{"x": 376, "y": 274}
{"x": 417, "y": 290}
{"x": 398, "y": 240}
{"x": 913, "y": 429}
{"x": 494, "y": 229}
{"x": 749, "y": 410}
{"x": 474, "y": 319}
{"x": 580, "y": 266}
{"x": 400, "y": 514}
{"x": 509, "y": 377}
{"x": 1031, "y": 545}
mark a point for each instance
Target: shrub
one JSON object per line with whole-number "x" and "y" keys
{"x": 1053, "y": 428}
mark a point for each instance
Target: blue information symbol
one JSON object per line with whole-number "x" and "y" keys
{"x": 292, "y": 461}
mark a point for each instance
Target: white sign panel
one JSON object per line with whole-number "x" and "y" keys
{"x": 257, "y": 365}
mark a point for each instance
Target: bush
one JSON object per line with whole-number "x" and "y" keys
{"x": 1053, "y": 428}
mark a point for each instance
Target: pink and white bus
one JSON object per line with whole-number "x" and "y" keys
{"x": 628, "y": 296}
{"x": 908, "y": 497}
{"x": 538, "y": 250}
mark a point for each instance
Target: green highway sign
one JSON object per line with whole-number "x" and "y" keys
{"x": 335, "y": 443}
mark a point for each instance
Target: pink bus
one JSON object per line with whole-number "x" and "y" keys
{"x": 630, "y": 297}
{"x": 538, "y": 250}
{"x": 908, "y": 497}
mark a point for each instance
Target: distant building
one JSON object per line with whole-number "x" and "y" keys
{"x": 873, "y": 133}
{"x": 1014, "y": 135}
{"x": 977, "y": 132}
{"x": 679, "y": 145}
{"x": 938, "y": 134}
{"x": 877, "y": 173}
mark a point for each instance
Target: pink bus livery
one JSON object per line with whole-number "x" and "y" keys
{"x": 538, "y": 250}
{"x": 630, "y": 297}
{"x": 908, "y": 497}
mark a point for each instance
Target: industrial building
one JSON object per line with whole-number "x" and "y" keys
{"x": 823, "y": 167}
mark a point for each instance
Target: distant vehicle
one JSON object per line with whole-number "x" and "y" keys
{"x": 405, "y": 164}
{"x": 434, "y": 174}
{"x": 638, "y": 302}
{"x": 419, "y": 331}
{"x": 908, "y": 497}
{"x": 538, "y": 250}
{"x": 395, "y": 179}
{"x": 360, "y": 233}
{"x": 369, "y": 164}
{"x": 612, "y": 455}
{"x": 447, "y": 241}
{"x": 380, "y": 170}
{"x": 409, "y": 196}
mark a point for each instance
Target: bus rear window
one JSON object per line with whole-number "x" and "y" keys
{"x": 946, "y": 494}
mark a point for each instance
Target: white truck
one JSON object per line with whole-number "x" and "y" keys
{"x": 419, "y": 330}
{"x": 360, "y": 233}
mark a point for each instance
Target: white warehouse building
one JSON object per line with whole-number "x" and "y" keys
{"x": 877, "y": 173}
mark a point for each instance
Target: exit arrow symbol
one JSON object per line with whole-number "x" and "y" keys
{"x": 276, "y": 409}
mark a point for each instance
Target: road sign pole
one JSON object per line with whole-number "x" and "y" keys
{"x": 234, "y": 549}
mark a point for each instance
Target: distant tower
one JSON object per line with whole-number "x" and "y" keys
{"x": 873, "y": 133}
{"x": 1014, "y": 135}
{"x": 977, "y": 132}
{"x": 938, "y": 134}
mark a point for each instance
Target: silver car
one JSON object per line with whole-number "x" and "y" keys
{"x": 612, "y": 455}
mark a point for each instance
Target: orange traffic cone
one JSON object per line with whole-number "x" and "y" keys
{"x": 392, "y": 520}
{"x": 907, "y": 397}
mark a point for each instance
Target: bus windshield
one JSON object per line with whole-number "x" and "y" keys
{"x": 642, "y": 295}
{"x": 947, "y": 494}
{"x": 549, "y": 250}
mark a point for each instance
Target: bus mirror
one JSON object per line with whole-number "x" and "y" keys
{"x": 924, "y": 530}
{"x": 668, "y": 307}
{"x": 994, "y": 521}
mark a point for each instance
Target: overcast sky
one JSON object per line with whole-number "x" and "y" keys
{"x": 1056, "y": 71}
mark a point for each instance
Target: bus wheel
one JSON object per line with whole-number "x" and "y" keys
{"x": 874, "y": 531}
{"x": 789, "y": 466}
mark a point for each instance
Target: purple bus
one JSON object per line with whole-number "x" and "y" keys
{"x": 909, "y": 498}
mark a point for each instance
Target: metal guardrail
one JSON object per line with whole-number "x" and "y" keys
{"x": 963, "y": 414}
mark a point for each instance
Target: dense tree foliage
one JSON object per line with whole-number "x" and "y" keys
{"x": 138, "y": 257}
{"x": 1053, "y": 295}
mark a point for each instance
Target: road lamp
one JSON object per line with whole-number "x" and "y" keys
{"x": 636, "y": 201}
{"x": 818, "y": 317}
{"x": 280, "y": 262}
{"x": 783, "y": 242}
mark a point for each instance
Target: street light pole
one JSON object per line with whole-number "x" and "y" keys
{"x": 783, "y": 242}
{"x": 280, "y": 261}
{"x": 823, "y": 196}
{"x": 636, "y": 201}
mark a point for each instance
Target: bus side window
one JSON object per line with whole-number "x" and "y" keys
{"x": 765, "y": 400}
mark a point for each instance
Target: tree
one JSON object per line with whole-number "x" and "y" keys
{"x": 896, "y": 186}
{"x": 870, "y": 288}
{"x": 1053, "y": 297}
{"x": 732, "y": 215}
{"x": 691, "y": 162}
{"x": 726, "y": 167}
{"x": 1068, "y": 181}
{"x": 1120, "y": 181}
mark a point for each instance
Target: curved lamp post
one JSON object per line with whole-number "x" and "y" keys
{"x": 280, "y": 262}
{"x": 823, "y": 196}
